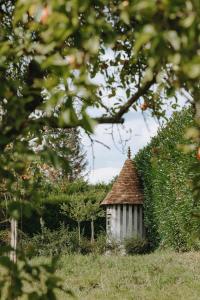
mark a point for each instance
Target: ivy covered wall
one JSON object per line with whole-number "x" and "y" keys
{"x": 167, "y": 175}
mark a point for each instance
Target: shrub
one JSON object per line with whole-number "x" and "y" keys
{"x": 47, "y": 242}
{"x": 86, "y": 246}
{"x": 136, "y": 245}
{"x": 113, "y": 246}
{"x": 60, "y": 242}
{"x": 100, "y": 243}
{"x": 167, "y": 174}
{"x": 98, "y": 246}
{"x": 4, "y": 237}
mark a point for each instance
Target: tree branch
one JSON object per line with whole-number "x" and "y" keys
{"x": 124, "y": 108}
{"x": 117, "y": 118}
{"x": 113, "y": 119}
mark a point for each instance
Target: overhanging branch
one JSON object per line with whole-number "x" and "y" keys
{"x": 117, "y": 118}
{"x": 113, "y": 119}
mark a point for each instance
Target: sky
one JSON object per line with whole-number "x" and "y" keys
{"x": 106, "y": 160}
{"x": 107, "y": 155}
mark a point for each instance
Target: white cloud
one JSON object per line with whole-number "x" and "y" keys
{"x": 105, "y": 162}
{"x": 103, "y": 174}
{"x": 108, "y": 162}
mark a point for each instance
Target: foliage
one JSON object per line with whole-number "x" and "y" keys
{"x": 136, "y": 245}
{"x": 47, "y": 64}
{"x": 54, "y": 194}
{"x": 16, "y": 279}
{"x": 100, "y": 243}
{"x": 167, "y": 174}
{"x": 114, "y": 247}
{"x": 61, "y": 241}
{"x": 85, "y": 205}
{"x": 76, "y": 209}
{"x": 4, "y": 237}
{"x": 98, "y": 246}
{"x": 67, "y": 145}
{"x": 50, "y": 242}
{"x": 58, "y": 44}
{"x": 49, "y": 51}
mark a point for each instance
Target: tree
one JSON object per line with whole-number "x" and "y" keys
{"x": 159, "y": 52}
{"x": 47, "y": 62}
{"x": 47, "y": 72}
{"x": 75, "y": 208}
{"x": 93, "y": 199}
{"x": 67, "y": 144}
{"x": 77, "y": 157}
{"x": 50, "y": 51}
{"x": 84, "y": 205}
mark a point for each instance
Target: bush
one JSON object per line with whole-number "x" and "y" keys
{"x": 60, "y": 242}
{"x": 98, "y": 246}
{"x": 100, "y": 243}
{"x": 136, "y": 245}
{"x": 86, "y": 246}
{"x": 50, "y": 242}
{"x": 167, "y": 175}
{"x": 4, "y": 237}
{"x": 113, "y": 246}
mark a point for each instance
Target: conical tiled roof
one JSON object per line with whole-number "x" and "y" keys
{"x": 127, "y": 188}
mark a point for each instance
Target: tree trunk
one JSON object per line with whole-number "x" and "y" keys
{"x": 13, "y": 241}
{"x": 42, "y": 228}
{"x": 79, "y": 233}
{"x": 92, "y": 231}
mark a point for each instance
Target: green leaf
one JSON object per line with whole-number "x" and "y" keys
{"x": 144, "y": 37}
{"x": 87, "y": 123}
{"x": 124, "y": 16}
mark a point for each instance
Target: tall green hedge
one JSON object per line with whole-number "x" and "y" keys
{"x": 167, "y": 175}
{"x": 53, "y": 195}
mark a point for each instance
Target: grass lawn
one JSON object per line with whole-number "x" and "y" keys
{"x": 157, "y": 276}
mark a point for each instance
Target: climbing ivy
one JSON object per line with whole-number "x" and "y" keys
{"x": 167, "y": 174}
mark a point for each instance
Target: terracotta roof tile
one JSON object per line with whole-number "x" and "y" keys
{"x": 127, "y": 188}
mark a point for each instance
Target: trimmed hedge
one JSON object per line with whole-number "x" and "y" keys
{"x": 53, "y": 195}
{"x": 167, "y": 175}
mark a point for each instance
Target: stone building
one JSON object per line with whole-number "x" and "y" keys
{"x": 124, "y": 205}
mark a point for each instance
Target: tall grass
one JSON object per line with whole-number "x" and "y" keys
{"x": 157, "y": 276}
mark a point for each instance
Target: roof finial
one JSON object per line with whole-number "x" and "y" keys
{"x": 129, "y": 153}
